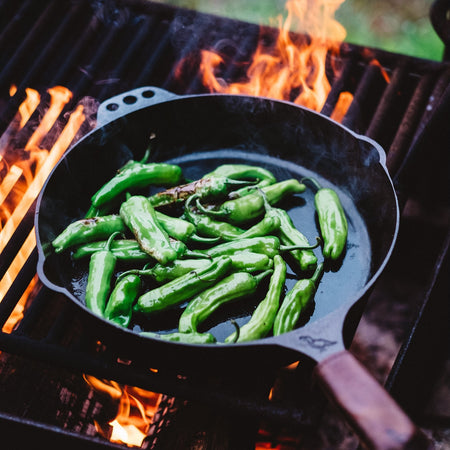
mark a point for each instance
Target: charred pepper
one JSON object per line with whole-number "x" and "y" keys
{"x": 182, "y": 288}
{"x": 232, "y": 288}
{"x": 261, "y": 322}
{"x": 88, "y": 230}
{"x": 118, "y": 309}
{"x": 101, "y": 269}
{"x": 207, "y": 187}
{"x": 332, "y": 221}
{"x": 140, "y": 217}
{"x": 249, "y": 207}
{"x": 295, "y": 303}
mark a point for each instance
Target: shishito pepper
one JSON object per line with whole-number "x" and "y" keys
{"x": 182, "y": 288}
{"x": 128, "y": 250}
{"x": 226, "y": 231}
{"x": 101, "y": 270}
{"x": 123, "y": 249}
{"x": 140, "y": 217}
{"x": 267, "y": 245}
{"x": 185, "y": 338}
{"x": 262, "y": 176}
{"x": 232, "y": 288}
{"x": 88, "y": 230}
{"x": 332, "y": 221}
{"x": 207, "y": 187}
{"x": 261, "y": 322}
{"x": 136, "y": 175}
{"x": 290, "y": 235}
{"x": 249, "y": 262}
{"x": 249, "y": 207}
{"x": 295, "y": 302}
{"x": 180, "y": 229}
{"x": 118, "y": 309}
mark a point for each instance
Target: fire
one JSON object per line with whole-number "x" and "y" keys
{"x": 135, "y": 411}
{"x": 23, "y": 179}
{"x": 291, "y": 69}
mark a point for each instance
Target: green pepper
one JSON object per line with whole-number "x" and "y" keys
{"x": 290, "y": 236}
{"x": 88, "y": 230}
{"x": 136, "y": 175}
{"x": 268, "y": 245}
{"x": 332, "y": 221}
{"x": 140, "y": 217}
{"x": 249, "y": 262}
{"x": 128, "y": 250}
{"x": 207, "y": 226}
{"x": 123, "y": 249}
{"x": 232, "y": 288}
{"x": 101, "y": 269}
{"x": 207, "y": 187}
{"x": 244, "y": 172}
{"x": 185, "y": 338}
{"x": 182, "y": 288}
{"x": 295, "y": 303}
{"x": 226, "y": 231}
{"x": 118, "y": 309}
{"x": 261, "y": 322}
{"x": 180, "y": 229}
{"x": 175, "y": 227}
{"x": 249, "y": 207}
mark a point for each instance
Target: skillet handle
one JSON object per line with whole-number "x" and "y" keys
{"x": 376, "y": 418}
{"x": 130, "y": 101}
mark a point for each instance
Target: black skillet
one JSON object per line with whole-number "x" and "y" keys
{"x": 199, "y": 133}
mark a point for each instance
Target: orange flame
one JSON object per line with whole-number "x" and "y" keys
{"x": 290, "y": 70}
{"x": 135, "y": 411}
{"x": 24, "y": 179}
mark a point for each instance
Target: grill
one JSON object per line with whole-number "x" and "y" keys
{"x": 98, "y": 49}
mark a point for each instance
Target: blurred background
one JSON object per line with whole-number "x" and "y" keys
{"x": 394, "y": 25}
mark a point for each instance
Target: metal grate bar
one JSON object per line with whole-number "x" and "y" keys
{"x": 362, "y": 106}
{"x": 344, "y": 82}
{"x": 17, "y": 288}
{"x": 17, "y": 239}
{"x": 410, "y": 121}
{"x": 31, "y": 39}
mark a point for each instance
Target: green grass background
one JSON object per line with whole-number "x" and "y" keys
{"x": 398, "y": 26}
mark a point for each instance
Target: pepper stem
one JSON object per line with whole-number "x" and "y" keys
{"x": 208, "y": 212}
{"x": 288, "y": 248}
{"x": 317, "y": 274}
{"x": 237, "y": 333}
{"x": 262, "y": 275}
{"x": 110, "y": 239}
{"x": 313, "y": 181}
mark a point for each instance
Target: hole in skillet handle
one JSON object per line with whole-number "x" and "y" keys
{"x": 130, "y": 101}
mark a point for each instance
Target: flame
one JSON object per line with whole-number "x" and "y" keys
{"x": 293, "y": 70}
{"x": 24, "y": 179}
{"x": 135, "y": 411}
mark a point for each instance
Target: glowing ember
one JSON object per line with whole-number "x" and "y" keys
{"x": 289, "y": 70}
{"x": 340, "y": 110}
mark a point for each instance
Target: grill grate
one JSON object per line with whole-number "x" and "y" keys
{"x": 98, "y": 49}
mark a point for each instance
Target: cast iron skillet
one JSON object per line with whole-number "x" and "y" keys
{"x": 199, "y": 133}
